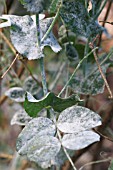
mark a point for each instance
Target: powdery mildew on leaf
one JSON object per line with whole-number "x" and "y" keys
{"x": 42, "y": 149}
{"x": 76, "y": 18}
{"x": 76, "y": 119}
{"x": 17, "y": 94}
{"x": 79, "y": 140}
{"x": 38, "y": 126}
{"x": 24, "y": 35}
{"x": 93, "y": 84}
{"x": 36, "y": 6}
{"x": 20, "y": 118}
{"x": 31, "y": 85}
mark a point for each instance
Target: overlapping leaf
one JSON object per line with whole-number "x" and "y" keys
{"x": 79, "y": 140}
{"x": 24, "y": 35}
{"x": 37, "y": 141}
{"x": 76, "y": 119}
{"x": 33, "y": 106}
{"x": 20, "y": 118}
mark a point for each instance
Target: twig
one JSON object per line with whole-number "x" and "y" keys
{"x": 39, "y": 83}
{"x": 76, "y": 69}
{"x": 96, "y": 162}
{"x": 8, "y": 42}
{"x": 10, "y": 66}
{"x": 5, "y": 156}
{"x": 104, "y": 20}
{"x": 101, "y": 72}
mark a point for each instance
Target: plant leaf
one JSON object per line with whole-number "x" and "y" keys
{"x": 76, "y": 18}
{"x": 17, "y": 94}
{"x": 54, "y": 5}
{"x": 31, "y": 85}
{"x": 20, "y": 118}
{"x": 76, "y": 119}
{"x": 38, "y": 126}
{"x": 93, "y": 84}
{"x": 42, "y": 149}
{"x": 23, "y": 29}
{"x": 36, "y": 6}
{"x": 33, "y": 106}
{"x": 79, "y": 140}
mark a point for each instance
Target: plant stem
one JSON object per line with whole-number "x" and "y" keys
{"x": 52, "y": 24}
{"x": 44, "y": 84}
{"x": 69, "y": 158}
{"x": 79, "y": 64}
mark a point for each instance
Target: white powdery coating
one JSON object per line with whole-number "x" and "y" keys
{"x": 77, "y": 118}
{"x": 17, "y": 94}
{"x": 79, "y": 140}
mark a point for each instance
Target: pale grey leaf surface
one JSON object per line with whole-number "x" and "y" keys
{"x": 17, "y": 94}
{"x": 31, "y": 85}
{"x": 42, "y": 149}
{"x": 23, "y": 34}
{"x": 76, "y": 119}
{"x": 20, "y": 118}
{"x": 36, "y": 6}
{"x": 38, "y": 126}
{"x": 79, "y": 140}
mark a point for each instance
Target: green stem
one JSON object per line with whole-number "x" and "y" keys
{"x": 52, "y": 24}
{"x": 78, "y": 66}
{"x": 44, "y": 84}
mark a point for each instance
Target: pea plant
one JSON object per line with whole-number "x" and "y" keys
{"x": 56, "y": 125}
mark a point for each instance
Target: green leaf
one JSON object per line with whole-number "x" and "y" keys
{"x": 23, "y": 29}
{"x": 76, "y": 18}
{"x": 79, "y": 140}
{"x": 96, "y": 4}
{"x": 16, "y": 94}
{"x": 38, "y": 126}
{"x": 36, "y": 6}
{"x": 33, "y": 106}
{"x": 76, "y": 119}
{"x": 93, "y": 84}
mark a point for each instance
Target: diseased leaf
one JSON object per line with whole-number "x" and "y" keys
{"x": 36, "y": 6}
{"x": 33, "y": 106}
{"x": 79, "y": 140}
{"x": 23, "y": 29}
{"x": 76, "y": 119}
{"x": 20, "y": 118}
{"x": 17, "y": 94}
{"x": 76, "y": 18}
{"x": 31, "y": 85}
{"x": 61, "y": 157}
{"x": 92, "y": 84}
{"x": 42, "y": 149}
{"x": 38, "y": 126}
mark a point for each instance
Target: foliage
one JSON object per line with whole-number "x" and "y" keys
{"x": 66, "y": 124}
